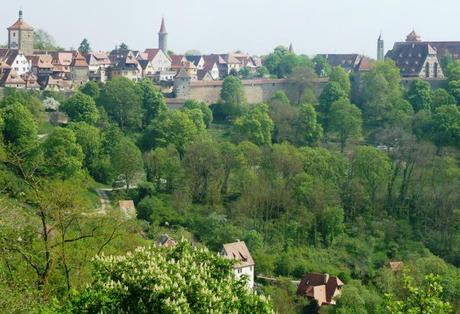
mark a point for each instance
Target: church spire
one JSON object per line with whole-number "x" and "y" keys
{"x": 163, "y": 37}
{"x": 291, "y": 48}
{"x": 163, "y": 27}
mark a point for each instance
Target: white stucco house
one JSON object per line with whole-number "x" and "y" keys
{"x": 244, "y": 265}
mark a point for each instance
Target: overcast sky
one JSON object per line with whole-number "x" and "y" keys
{"x": 255, "y": 26}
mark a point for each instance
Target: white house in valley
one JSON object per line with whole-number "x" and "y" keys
{"x": 244, "y": 265}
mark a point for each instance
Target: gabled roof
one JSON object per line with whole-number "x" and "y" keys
{"x": 347, "y": 61}
{"x": 4, "y": 52}
{"x": 214, "y": 59}
{"x": 10, "y": 76}
{"x": 42, "y": 61}
{"x": 230, "y": 59}
{"x": 166, "y": 241}
{"x": 176, "y": 60}
{"x": 204, "y": 75}
{"x": 238, "y": 251}
{"x": 194, "y": 59}
{"x": 320, "y": 287}
{"x": 98, "y": 58}
{"x": 153, "y": 52}
{"x": 78, "y": 60}
{"x": 63, "y": 58}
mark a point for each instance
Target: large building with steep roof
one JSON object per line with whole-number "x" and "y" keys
{"x": 417, "y": 58}
{"x": 21, "y": 36}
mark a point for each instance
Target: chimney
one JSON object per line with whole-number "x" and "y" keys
{"x": 326, "y": 278}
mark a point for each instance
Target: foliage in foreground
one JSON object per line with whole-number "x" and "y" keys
{"x": 183, "y": 279}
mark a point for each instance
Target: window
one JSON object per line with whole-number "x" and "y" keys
{"x": 427, "y": 70}
{"x": 436, "y": 70}
{"x": 239, "y": 270}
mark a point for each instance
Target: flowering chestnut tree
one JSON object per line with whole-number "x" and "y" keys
{"x": 183, "y": 279}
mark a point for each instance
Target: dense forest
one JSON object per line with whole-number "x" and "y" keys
{"x": 340, "y": 182}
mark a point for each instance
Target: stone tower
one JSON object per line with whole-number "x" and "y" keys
{"x": 163, "y": 37}
{"x": 380, "y": 48}
{"x": 21, "y": 36}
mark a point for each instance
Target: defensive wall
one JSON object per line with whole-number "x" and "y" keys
{"x": 256, "y": 91}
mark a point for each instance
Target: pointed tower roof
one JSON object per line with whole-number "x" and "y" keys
{"x": 163, "y": 27}
{"x": 20, "y": 24}
{"x": 291, "y": 48}
{"x": 413, "y": 36}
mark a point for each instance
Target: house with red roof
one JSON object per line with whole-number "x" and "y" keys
{"x": 320, "y": 287}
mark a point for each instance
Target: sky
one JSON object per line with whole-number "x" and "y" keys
{"x": 254, "y": 26}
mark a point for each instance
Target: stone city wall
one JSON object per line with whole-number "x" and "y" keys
{"x": 256, "y": 91}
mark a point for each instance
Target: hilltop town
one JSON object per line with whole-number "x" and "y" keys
{"x": 190, "y": 76}
{"x": 144, "y": 181}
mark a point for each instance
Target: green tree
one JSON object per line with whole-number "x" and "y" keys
{"x": 204, "y": 170}
{"x": 283, "y": 115}
{"x": 339, "y": 75}
{"x": 372, "y": 168}
{"x": 345, "y": 121}
{"x": 44, "y": 41}
{"x": 175, "y": 127}
{"x": 332, "y": 92}
{"x": 127, "y": 161}
{"x": 90, "y": 139}
{"x": 81, "y": 108}
{"x": 307, "y": 129}
{"x": 302, "y": 77}
{"x": 84, "y": 47}
{"x": 63, "y": 156}
{"x": 203, "y": 107}
{"x": 330, "y": 223}
{"x": 380, "y": 89}
{"x": 446, "y": 126}
{"x": 122, "y": 100}
{"x": 153, "y": 102}
{"x": 91, "y": 89}
{"x": 163, "y": 168}
{"x": 441, "y": 97}
{"x": 233, "y": 98}
{"x": 255, "y": 126}
{"x": 420, "y": 95}
{"x": 123, "y": 46}
{"x": 420, "y": 300}
{"x": 322, "y": 67}
{"x": 124, "y": 284}
{"x": 19, "y": 128}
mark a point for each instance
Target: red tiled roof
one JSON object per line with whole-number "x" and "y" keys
{"x": 176, "y": 61}
{"x": 20, "y": 24}
{"x": 10, "y": 76}
{"x": 320, "y": 287}
{"x": 151, "y": 53}
{"x": 79, "y": 60}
